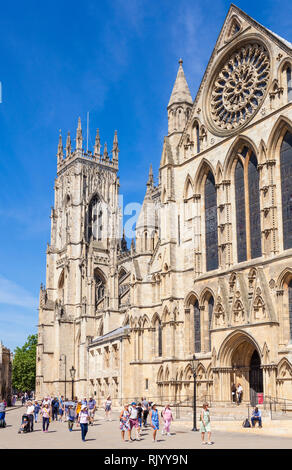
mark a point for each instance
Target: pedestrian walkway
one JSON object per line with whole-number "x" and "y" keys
{"x": 106, "y": 435}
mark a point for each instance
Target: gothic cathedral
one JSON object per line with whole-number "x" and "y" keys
{"x": 209, "y": 274}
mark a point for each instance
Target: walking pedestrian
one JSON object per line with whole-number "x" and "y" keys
{"x": 83, "y": 420}
{"x": 78, "y": 409}
{"x": 125, "y": 423}
{"x": 71, "y": 417}
{"x": 167, "y": 418}
{"x": 30, "y": 413}
{"x": 205, "y": 425}
{"x": 91, "y": 409}
{"x": 36, "y": 411}
{"x": 108, "y": 407}
{"x": 154, "y": 420}
{"x": 55, "y": 409}
{"x": 145, "y": 406}
{"x": 2, "y": 413}
{"x": 134, "y": 420}
{"x": 46, "y": 414}
{"x": 140, "y": 413}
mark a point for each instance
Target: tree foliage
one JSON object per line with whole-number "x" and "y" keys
{"x": 24, "y": 365}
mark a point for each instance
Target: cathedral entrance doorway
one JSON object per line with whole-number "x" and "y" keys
{"x": 240, "y": 358}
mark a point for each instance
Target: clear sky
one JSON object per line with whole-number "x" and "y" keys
{"x": 117, "y": 60}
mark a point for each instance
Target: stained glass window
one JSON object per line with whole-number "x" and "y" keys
{"x": 210, "y": 313}
{"x": 211, "y": 223}
{"x": 240, "y": 212}
{"x": 289, "y": 84}
{"x": 254, "y": 208}
{"x": 197, "y": 327}
{"x": 286, "y": 185}
{"x": 290, "y": 306}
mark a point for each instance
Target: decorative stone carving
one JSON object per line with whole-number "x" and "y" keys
{"x": 239, "y": 87}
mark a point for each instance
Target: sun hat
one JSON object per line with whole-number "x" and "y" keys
{"x": 83, "y": 407}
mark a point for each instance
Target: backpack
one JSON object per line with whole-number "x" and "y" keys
{"x": 246, "y": 423}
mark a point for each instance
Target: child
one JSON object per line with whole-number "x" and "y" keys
{"x": 71, "y": 417}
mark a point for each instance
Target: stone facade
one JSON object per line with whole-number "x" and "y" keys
{"x": 210, "y": 271}
{"x": 5, "y": 371}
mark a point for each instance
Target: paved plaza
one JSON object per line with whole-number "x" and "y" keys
{"x": 106, "y": 435}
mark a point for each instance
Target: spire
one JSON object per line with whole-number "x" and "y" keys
{"x": 68, "y": 145}
{"x": 150, "y": 181}
{"x": 105, "y": 152}
{"x": 180, "y": 92}
{"x": 60, "y": 153}
{"x": 124, "y": 242}
{"x": 79, "y": 138}
{"x": 97, "y": 144}
{"x": 116, "y": 149}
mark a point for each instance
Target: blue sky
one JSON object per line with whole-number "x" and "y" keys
{"x": 117, "y": 60}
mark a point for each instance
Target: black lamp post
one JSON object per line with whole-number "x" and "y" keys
{"x": 65, "y": 360}
{"x": 194, "y": 367}
{"x": 72, "y": 373}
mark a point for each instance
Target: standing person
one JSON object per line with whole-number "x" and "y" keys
{"x": 233, "y": 393}
{"x": 83, "y": 420}
{"x": 125, "y": 422}
{"x": 167, "y": 418}
{"x": 154, "y": 420}
{"x": 22, "y": 400}
{"x": 78, "y": 409}
{"x": 108, "y": 407}
{"x": 61, "y": 408}
{"x": 84, "y": 401}
{"x": 2, "y": 411}
{"x": 13, "y": 400}
{"x": 30, "y": 413}
{"x": 46, "y": 414}
{"x": 91, "y": 409}
{"x": 140, "y": 413}
{"x": 36, "y": 411}
{"x": 55, "y": 409}
{"x": 71, "y": 417}
{"x": 205, "y": 425}
{"x": 239, "y": 393}
{"x": 134, "y": 420}
{"x": 145, "y": 406}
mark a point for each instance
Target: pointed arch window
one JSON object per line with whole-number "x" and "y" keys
{"x": 159, "y": 339}
{"x": 289, "y": 83}
{"x": 94, "y": 227}
{"x": 99, "y": 288}
{"x": 211, "y": 223}
{"x": 286, "y": 187}
{"x": 247, "y": 202}
{"x": 197, "y": 327}
{"x": 290, "y": 306}
{"x": 210, "y": 313}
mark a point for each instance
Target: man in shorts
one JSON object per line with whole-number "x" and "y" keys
{"x": 133, "y": 420}
{"x": 91, "y": 409}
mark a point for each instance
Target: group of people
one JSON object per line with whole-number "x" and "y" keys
{"x": 237, "y": 393}
{"x": 134, "y": 416}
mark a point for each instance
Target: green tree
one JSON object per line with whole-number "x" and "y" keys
{"x": 24, "y": 365}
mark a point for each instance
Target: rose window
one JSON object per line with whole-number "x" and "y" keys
{"x": 240, "y": 87}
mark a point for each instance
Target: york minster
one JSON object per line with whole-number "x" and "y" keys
{"x": 209, "y": 271}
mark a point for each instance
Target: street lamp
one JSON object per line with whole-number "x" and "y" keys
{"x": 65, "y": 360}
{"x": 72, "y": 373}
{"x": 194, "y": 367}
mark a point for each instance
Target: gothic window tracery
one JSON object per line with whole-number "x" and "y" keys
{"x": 94, "y": 229}
{"x": 99, "y": 283}
{"x": 289, "y": 83}
{"x": 240, "y": 86}
{"x": 247, "y": 202}
{"x": 197, "y": 327}
{"x": 211, "y": 223}
{"x": 286, "y": 188}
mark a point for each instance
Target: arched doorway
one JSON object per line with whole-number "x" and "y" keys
{"x": 240, "y": 363}
{"x": 255, "y": 377}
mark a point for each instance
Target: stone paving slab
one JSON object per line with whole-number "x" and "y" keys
{"x": 106, "y": 435}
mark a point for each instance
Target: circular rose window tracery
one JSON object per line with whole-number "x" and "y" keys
{"x": 240, "y": 86}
